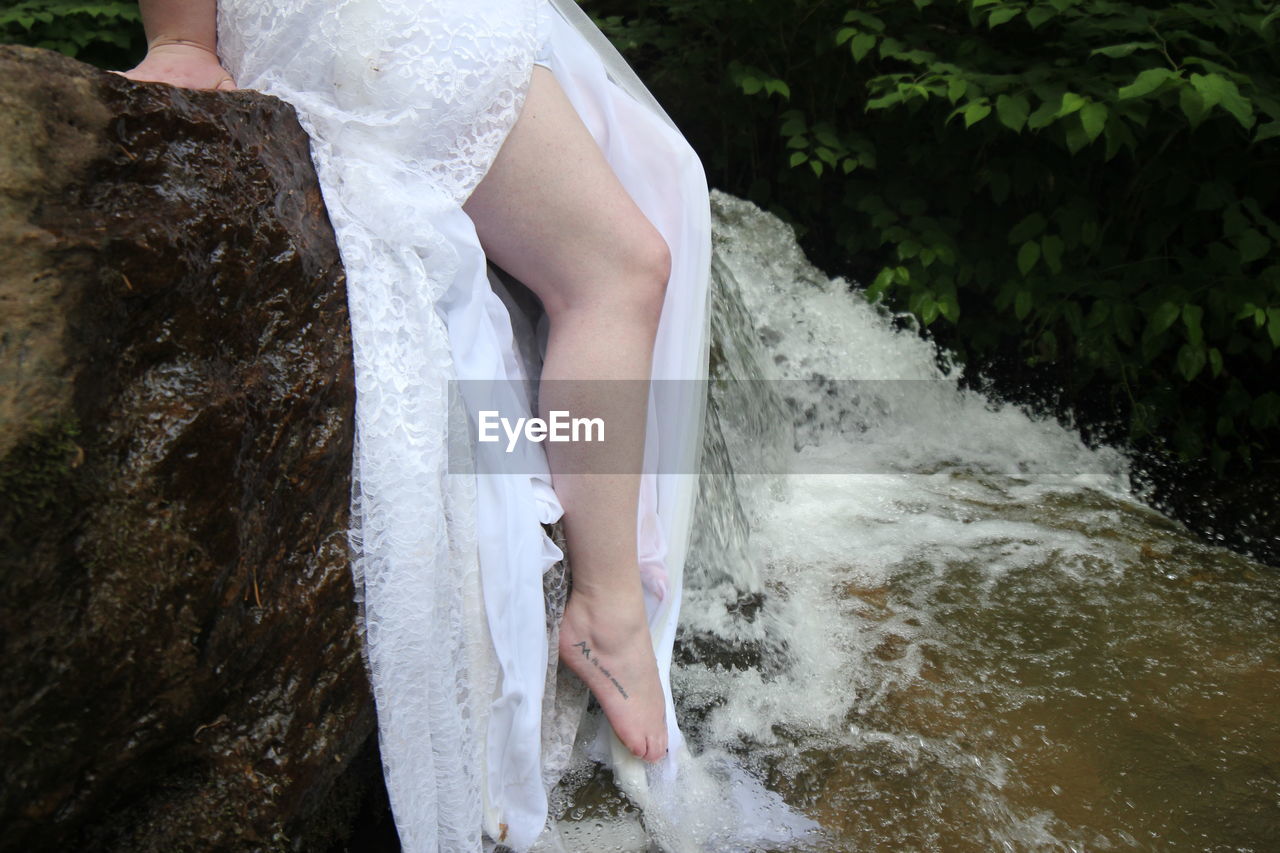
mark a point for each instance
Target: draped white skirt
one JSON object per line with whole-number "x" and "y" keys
{"x": 406, "y": 103}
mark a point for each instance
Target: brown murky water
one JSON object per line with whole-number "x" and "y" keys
{"x": 1072, "y": 703}
{"x": 1131, "y": 705}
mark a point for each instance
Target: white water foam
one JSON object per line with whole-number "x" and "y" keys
{"x": 785, "y": 573}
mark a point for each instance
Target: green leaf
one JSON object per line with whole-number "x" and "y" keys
{"x": 1038, "y": 15}
{"x": 1051, "y": 246}
{"x": 1116, "y": 51}
{"x": 1047, "y": 344}
{"x": 956, "y": 88}
{"x": 778, "y": 87}
{"x": 1027, "y": 256}
{"x": 861, "y": 44}
{"x": 1122, "y": 322}
{"x": 1252, "y": 245}
{"x": 976, "y": 111}
{"x": 1012, "y": 111}
{"x": 1193, "y": 105}
{"x": 1215, "y": 361}
{"x": 1070, "y": 103}
{"x": 1028, "y": 228}
{"x": 950, "y": 308}
{"x": 1234, "y": 222}
{"x": 1098, "y": 313}
{"x": 883, "y": 280}
{"x": 825, "y": 135}
{"x": 1191, "y": 361}
{"x": 1270, "y": 130}
{"x": 1163, "y": 318}
{"x": 884, "y": 101}
{"x": 1074, "y": 316}
{"x": 868, "y": 20}
{"x": 1145, "y": 83}
{"x": 889, "y": 47}
{"x": 928, "y": 309}
{"x": 1001, "y": 16}
{"x": 1093, "y": 116}
{"x": 794, "y": 125}
{"x": 1273, "y": 326}
{"x": 1044, "y": 114}
{"x": 1075, "y": 136}
{"x": 798, "y": 157}
{"x": 1219, "y": 91}
{"x": 1191, "y": 317}
{"x": 1118, "y": 136}
{"x": 1022, "y": 304}
{"x": 1247, "y": 311}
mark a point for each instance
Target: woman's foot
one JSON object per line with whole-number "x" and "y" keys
{"x": 612, "y": 653}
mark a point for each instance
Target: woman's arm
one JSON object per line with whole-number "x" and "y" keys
{"x": 182, "y": 45}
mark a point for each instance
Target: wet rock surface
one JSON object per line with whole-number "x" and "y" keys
{"x": 181, "y": 667}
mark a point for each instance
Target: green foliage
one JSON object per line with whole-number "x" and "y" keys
{"x": 1089, "y": 183}
{"x": 107, "y": 33}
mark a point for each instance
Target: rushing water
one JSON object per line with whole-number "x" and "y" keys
{"x": 931, "y": 622}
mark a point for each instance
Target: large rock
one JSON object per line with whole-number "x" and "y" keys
{"x": 181, "y": 667}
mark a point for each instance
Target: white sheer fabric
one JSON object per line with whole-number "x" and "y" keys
{"x": 407, "y": 103}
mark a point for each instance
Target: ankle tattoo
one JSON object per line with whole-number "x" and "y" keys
{"x": 586, "y": 653}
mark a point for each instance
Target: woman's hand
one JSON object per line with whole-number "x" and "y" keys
{"x": 183, "y": 64}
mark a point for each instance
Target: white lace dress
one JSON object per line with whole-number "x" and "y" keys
{"x": 407, "y": 103}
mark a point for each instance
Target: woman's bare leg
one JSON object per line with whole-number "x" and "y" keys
{"x": 552, "y": 213}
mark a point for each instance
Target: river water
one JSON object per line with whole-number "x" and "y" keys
{"x": 932, "y": 622}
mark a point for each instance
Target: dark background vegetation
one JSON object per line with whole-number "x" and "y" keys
{"x": 107, "y": 33}
{"x": 1077, "y": 198}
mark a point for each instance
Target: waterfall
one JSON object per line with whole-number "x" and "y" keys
{"x": 932, "y": 620}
